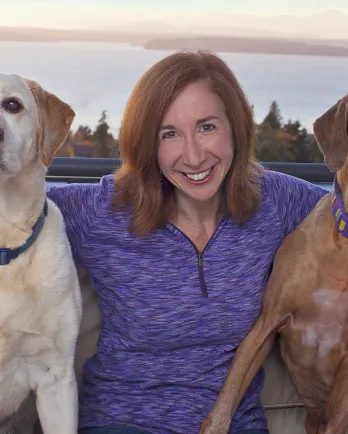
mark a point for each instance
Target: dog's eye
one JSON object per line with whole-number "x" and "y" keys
{"x": 11, "y": 105}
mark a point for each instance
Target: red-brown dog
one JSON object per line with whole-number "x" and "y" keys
{"x": 306, "y": 302}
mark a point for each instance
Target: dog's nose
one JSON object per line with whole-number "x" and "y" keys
{"x": 2, "y": 133}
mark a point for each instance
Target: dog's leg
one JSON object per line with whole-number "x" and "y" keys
{"x": 13, "y": 393}
{"x": 282, "y": 297}
{"x": 312, "y": 421}
{"x": 23, "y": 421}
{"x": 249, "y": 358}
{"x": 57, "y": 403}
{"x": 334, "y": 417}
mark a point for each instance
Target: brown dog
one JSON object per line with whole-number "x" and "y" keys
{"x": 306, "y": 302}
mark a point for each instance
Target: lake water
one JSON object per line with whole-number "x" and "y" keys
{"x": 93, "y": 77}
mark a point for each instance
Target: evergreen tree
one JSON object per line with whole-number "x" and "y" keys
{"x": 84, "y": 132}
{"x": 102, "y": 137}
{"x": 273, "y": 118}
{"x": 299, "y": 141}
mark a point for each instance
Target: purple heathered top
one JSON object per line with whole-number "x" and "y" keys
{"x": 165, "y": 347}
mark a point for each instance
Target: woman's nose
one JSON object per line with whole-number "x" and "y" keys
{"x": 193, "y": 154}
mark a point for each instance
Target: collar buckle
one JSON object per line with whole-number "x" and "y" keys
{"x": 5, "y": 256}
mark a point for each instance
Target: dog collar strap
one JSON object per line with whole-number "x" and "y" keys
{"x": 6, "y": 255}
{"x": 338, "y": 211}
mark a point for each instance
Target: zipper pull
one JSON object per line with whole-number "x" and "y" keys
{"x": 200, "y": 259}
{"x": 201, "y": 275}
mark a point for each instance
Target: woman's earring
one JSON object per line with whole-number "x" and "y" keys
{"x": 161, "y": 176}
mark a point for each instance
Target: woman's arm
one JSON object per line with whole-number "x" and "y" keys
{"x": 78, "y": 204}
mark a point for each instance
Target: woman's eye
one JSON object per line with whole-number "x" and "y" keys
{"x": 169, "y": 135}
{"x": 208, "y": 127}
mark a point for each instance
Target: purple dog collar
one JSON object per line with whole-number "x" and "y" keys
{"x": 338, "y": 212}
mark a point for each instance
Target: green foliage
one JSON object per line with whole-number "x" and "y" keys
{"x": 273, "y": 118}
{"x": 84, "y": 132}
{"x": 102, "y": 138}
{"x": 289, "y": 142}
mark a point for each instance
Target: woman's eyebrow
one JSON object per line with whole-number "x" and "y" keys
{"x": 206, "y": 119}
{"x": 198, "y": 122}
{"x": 168, "y": 127}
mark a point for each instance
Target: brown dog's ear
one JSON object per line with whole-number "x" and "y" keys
{"x": 331, "y": 133}
{"x": 55, "y": 119}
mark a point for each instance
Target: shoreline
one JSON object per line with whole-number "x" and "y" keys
{"x": 173, "y": 42}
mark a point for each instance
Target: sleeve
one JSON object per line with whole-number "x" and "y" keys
{"x": 78, "y": 203}
{"x": 294, "y": 198}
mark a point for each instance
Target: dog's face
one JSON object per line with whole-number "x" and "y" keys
{"x": 33, "y": 123}
{"x": 331, "y": 133}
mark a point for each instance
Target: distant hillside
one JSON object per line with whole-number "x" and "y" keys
{"x": 19, "y": 34}
{"x": 150, "y": 41}
{"x": 249, "y": 45}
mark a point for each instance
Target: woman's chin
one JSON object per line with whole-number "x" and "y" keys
{"x": 206, "y": 194}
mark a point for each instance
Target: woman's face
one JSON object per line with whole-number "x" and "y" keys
{"x": 195, "y": 143}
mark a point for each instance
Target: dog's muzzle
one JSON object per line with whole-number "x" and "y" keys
{"x": 2, "y": 133}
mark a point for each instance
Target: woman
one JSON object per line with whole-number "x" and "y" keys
{"x": 179, "y": 244}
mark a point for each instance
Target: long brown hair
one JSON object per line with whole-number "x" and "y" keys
{"x": 138, "y": 184}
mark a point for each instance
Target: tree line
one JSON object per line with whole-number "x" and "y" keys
{"x": 285, "y": 141}
{"x": 101, "y": 141}
{"x": 276, "y": 140}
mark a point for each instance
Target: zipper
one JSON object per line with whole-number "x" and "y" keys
{"x": 202, "y": 282}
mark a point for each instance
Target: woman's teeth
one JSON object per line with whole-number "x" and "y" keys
{"x": 199, "y": 176}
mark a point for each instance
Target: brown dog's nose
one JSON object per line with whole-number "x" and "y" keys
{"x": 2, "y": 133}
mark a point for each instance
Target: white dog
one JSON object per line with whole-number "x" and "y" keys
{"x": 40, "y": 300}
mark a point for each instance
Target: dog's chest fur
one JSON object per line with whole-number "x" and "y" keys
{"x": 32, "y": 290}
{"x": 314, "y": 344}
{"x": 21, "y": 324}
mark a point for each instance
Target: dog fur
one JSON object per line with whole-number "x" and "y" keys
{"x": 40, "y": 300}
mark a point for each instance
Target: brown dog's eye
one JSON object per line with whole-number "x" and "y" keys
{"x": 11, "y": 105}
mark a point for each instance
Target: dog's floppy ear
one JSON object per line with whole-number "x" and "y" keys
{"x": 331, "y": 133}
{"x": 55, "y": 119}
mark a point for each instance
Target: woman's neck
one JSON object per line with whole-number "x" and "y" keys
{"x": 197, "y": 212}
{"x": 197, "y": 220}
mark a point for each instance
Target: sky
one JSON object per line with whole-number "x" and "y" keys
{"x": 94, "y": 13}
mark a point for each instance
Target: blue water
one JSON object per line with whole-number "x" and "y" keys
{"x": 94, "y": 77}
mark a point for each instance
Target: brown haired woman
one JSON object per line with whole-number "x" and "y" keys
{"x": 179, "y": 244}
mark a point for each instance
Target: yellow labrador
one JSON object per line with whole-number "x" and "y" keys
{"x": 40, "y": 300}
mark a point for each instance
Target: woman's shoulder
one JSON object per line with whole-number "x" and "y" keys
{"x": 281, "y": 185}
{"x": 273, "y": 180}
{"x": 81, "y": 205}
{"x": 81, "y": 191}
{"x": 82, "y": 201}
